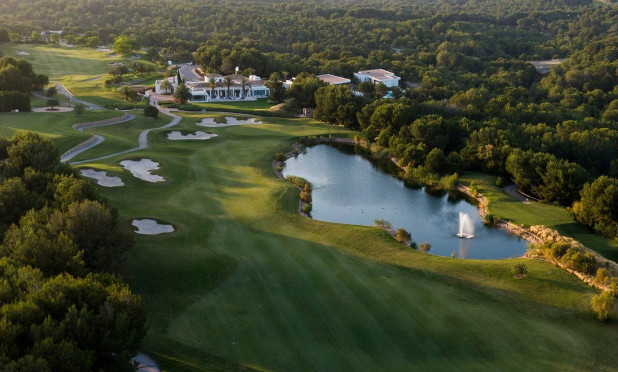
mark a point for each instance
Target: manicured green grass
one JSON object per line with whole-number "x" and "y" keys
{"x": 55, "y": 126}
{"x": 246, "y": 282}
{"x": 260, "y": 104}
{"x": 58, "y": 61}
{"x": 535, "y": 213}
{"x": 120, "y": 137}
{"x": 82, "y": 71}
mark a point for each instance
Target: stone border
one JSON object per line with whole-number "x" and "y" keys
{"x": 81, "y": 126}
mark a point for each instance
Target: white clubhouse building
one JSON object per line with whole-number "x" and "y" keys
{"x": 217, "y": 88}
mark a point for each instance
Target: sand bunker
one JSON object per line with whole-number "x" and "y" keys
{"x": 151, "y": 227}
{"x": 141, "y": 169}
{"x": 230, "y": 120}
{"x": 102, "y": 178}
{"x": 22, "y": 53}
{"x": 177, "y": 136}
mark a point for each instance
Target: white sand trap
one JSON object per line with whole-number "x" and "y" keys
{"x": 141, "y": 169}
{"x": 199, "y": 135}
{"x": 102, "y": 178}
{"x": 22, "y": 53}
{"x": 151, "y": 227}
{"x": 230, "y": 121}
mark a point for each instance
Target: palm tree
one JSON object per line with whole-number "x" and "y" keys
{"x": 166, "y": 86}
{"x": 244, "y": 83}
{"x": 126, "y": 92}
{"x": 213, "y": 85}
{"x": 228, "y": 84}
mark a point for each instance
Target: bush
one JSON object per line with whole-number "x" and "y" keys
{"x": 602, "y": 277}
{"x": 307, "y": 208}
{"x": 10, "y": 101}
{"x": 602, "y": 305}
{"x": 490, "y": 220}
{"x": 380, "y": 222}
{"x": 520, "y": 270}
{"x": 280, "y": 156}
{"x": 298, "y": 181}
{"x": 578, "y": 260}
{"x": 189, "y": 108}
{"x": 305, "y": 196}
{"x": 424, "y": 247}
{"x": 403, "y": 235}
{"x": 499, "y": 182}
{"x": 151, "y": 112}
{"x": 279, "y": 168}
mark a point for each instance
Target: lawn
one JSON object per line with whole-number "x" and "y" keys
{"x": 55, "y": 126}
{"x": 239, "y": 106}
{"x": 82, "y": 71}
{"x": 57, "y": 61}
{"x": 536, "y": 213}
{"x": 245, "y": 282}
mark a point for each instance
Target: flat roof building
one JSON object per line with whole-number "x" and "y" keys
{"x": 333, "y": 80}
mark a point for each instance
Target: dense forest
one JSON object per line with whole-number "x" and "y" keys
{"x": 62, "y": 305}
{"x": 470, "y": 100}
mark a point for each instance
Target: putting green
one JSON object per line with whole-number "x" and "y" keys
{"x": 246, "y": 282}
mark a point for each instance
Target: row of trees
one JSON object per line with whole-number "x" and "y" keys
{"x": 62, "y": 306}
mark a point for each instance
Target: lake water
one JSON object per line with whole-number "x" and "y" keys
{"x": 348, "y": 188}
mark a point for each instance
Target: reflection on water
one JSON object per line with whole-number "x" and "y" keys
{"x": 348, "y": 188}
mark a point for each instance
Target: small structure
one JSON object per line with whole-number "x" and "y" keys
{"x": 543, "y": 66}
{"x": 377, "y": 76}
{"x": 174, "y": 85}
{"x": 308, "y": 112}
{"x": 333, "y": 80}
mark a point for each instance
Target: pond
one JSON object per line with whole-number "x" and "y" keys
{"x": 350, "y": 189}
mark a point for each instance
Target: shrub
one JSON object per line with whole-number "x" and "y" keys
{"x": 520, "y": 270}
{"x": 490, "y": 220}
{"x": 279, "y": 168}
{"x": 602, "y": 277}
{"x": 79, "y": 109}
{"x": 52, "y": 102}
{"x": 602, "y": 305}
{"x": 307, "y": 208}
{"x": 578, "y": 260}
{"x": 403, "y": 235}
{"x": 424, "y": 247}
{"x": 380, "y": 222}
{"x": 280, "y": 156}
{"x": 499, "y": 182}
{"x": 305, "y": 196}
{"x": 473, "y": 190}
{"x": 298, "y": 181}
{"x": 10, "y": 101}
{"x": 151, "y": 112}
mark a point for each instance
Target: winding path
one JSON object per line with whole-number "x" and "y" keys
{"x": 143, "y": 137}
{"x": 65, "y": 92}
{"x": 95, "y": 139}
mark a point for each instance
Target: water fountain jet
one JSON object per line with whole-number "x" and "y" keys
{"x": 466, "y": 227}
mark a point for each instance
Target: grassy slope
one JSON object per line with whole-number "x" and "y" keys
{"x": 55, "y": 126}
{"x": 246, "y": 281}
{"x": 83, "y": 71}
{"x": 558, "y": 218}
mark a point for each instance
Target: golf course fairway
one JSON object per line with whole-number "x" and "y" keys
{"x": 246, "y": 283}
